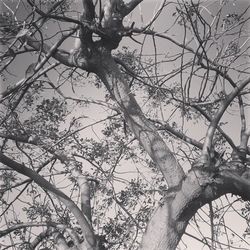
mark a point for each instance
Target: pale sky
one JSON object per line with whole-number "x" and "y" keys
{"x": 20, "y": 65}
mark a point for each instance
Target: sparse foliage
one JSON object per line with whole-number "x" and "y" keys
{"x": 123, "y": 128}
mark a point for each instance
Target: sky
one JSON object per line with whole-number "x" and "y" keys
{"x": 147, "y": 10}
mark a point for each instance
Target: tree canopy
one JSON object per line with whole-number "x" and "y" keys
{"x": 124, "y": 124}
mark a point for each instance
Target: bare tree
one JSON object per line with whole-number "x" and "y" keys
{"x": 176, "y": 108}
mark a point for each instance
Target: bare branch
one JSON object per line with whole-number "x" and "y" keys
{"x": 25, "y": 225}
{"x": 144, "y": 130}
{"x": 60, "y": 55}
{"x": 85, "y": 226}
{"x": 213, "y": 125}
{"x": 130, "y": 6}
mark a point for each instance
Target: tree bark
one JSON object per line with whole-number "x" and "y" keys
{"x": 201, "y": 186}
{"x": 186, "y": 193}
{"x": 90, "y": 241}
{"x": 143, "y": 129}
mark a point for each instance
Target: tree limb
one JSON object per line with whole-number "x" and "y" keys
{"x": 60, "y": 55}
{"x": 132, "y": 4}
{"x": 200, "y": 186}
{"x": 213, "y": 125}
{"x": 84, "y": 192}
{"x": 143, "y": 129}
{"x": 42, "y": 182}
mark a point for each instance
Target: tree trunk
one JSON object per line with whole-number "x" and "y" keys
{"x": 168, "y": 223}
{"x": 143, "y": 129}
{"x": 185, "y": 194}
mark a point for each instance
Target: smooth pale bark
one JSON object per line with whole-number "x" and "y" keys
{"x": 187, "y": 194}
{"x": 84, "y": 193}
{"x": 87, "y": 229}
{"x": 201, "y": 186}
{"x": 213, "y": 125}
{"x": 142, "y": 128}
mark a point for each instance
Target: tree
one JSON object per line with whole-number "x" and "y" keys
{"x": 175, "y": 110}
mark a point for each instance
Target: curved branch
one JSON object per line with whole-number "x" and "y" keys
{"x": 201, "y": 186}
{"x": 128, "y": 7}
{"x": 34, "y": 140}
{"x": 24, "y": 225}
{"x": 60, "y": 55}
{"x": 84, "y": 193}
{"x": 213, "y": 125}
{"x": 143, "y": 129}
{"x": 42, "y": 182}
{"x": 227, "y": 138}
{"x": 179, "y": 134}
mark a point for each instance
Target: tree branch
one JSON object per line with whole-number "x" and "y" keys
{"x": 214, "y": 123}
{"x": 201, "y": 186}
{"x": 42, "y": 182}
{"x": 34, "y": 140}
{"x": 132, "y": 4}
{"x": 39, "y": 238}
{"x": 85, "y": 193}
{"x": 60, "y": 55}
{"x": 24, "y": 225}
{"x": 143, "y": 129}
{"x": 179, "y": 134}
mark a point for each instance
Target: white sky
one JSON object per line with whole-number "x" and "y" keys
{"x": 147, "y": 9}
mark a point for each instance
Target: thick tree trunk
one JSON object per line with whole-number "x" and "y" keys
{"x": 168, "y": 223}
{"x": 143, "y": 129}
{"x": 186, "y": 194}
